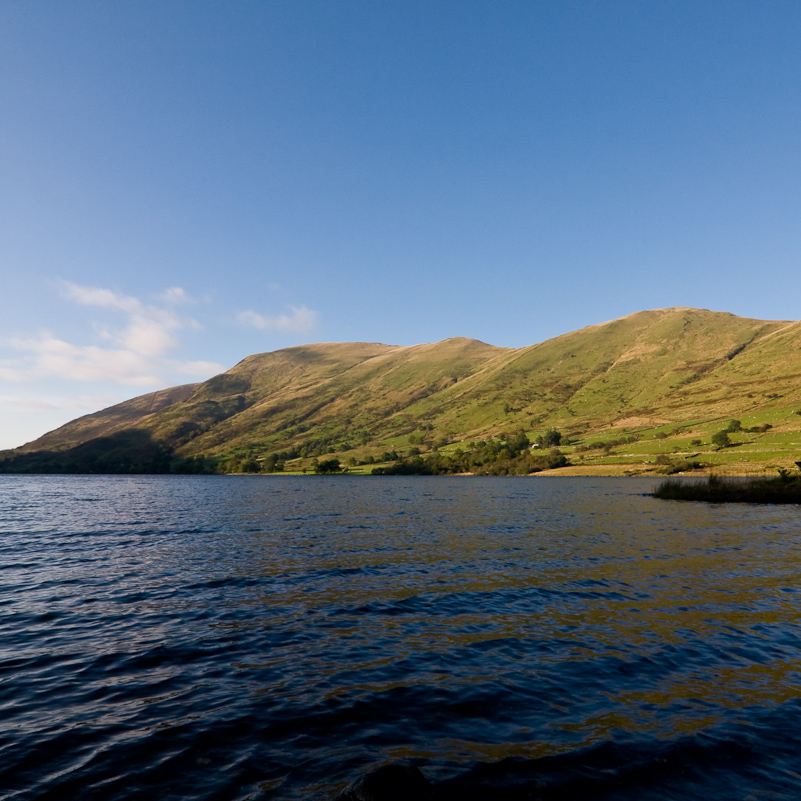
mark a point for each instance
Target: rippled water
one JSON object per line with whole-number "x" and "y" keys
{"x": 275, "y": 637}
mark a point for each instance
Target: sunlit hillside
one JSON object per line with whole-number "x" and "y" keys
{"x": 636, "y": 394}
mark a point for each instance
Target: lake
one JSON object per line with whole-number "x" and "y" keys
{"x": 260, "y": 637}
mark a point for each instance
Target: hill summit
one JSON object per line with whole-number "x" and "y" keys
{"x": 367, "y": 403}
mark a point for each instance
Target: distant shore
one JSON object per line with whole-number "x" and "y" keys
{"x": 645, "y": 471}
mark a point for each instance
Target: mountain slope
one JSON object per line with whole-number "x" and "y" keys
{"x": 627, "y": 371}
{"x": 283, "y": 399}
{"x": 109, "y": 421}
{"x": 667, "y": 366}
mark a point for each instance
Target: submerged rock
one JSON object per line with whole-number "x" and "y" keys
{"x": 394, "y": 782}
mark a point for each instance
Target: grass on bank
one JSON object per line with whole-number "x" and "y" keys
{"x": 753, "y": 448}
{"x": 784, "y": 488}
{"x": 756, "y": 444}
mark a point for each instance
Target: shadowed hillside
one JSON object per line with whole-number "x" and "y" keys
{"x": 109, "y": 421}
{"x": 369, "y": 403}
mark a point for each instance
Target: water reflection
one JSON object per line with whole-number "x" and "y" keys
{"x": 303, "y": 628}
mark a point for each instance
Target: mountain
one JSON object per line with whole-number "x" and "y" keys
{"x": 674, "y": 367}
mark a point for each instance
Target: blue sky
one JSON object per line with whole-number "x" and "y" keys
{"x": 183, "y": 184}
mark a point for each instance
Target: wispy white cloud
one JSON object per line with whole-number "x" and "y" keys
{"x": 149, "y": 331}
{"x": 151, "y": 334}
{"x": 301, "y": 320}
{"x": 175, "y": 295}
{"x": 137, "y": 354}
{"x": 53, "y": 357}
{"x": 96, "y": 296}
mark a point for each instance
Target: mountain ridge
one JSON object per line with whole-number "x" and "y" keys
{"x": 647, "y": 369}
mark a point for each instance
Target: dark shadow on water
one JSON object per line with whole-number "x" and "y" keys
{"x": 698, "y": 767}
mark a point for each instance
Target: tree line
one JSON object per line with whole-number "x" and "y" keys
{"x": 506, "y": 455}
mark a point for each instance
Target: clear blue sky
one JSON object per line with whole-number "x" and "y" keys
{"x": 183, "y": 184}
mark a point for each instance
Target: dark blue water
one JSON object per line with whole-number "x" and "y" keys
{"x": 275, "y": 637}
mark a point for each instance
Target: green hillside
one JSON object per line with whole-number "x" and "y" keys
{"x": 643, "y": 393}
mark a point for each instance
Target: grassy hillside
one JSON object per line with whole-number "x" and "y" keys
{"x": 109, "y": 421}
{"x": 643, "y": 393}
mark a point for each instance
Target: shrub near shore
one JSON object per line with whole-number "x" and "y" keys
{"x": 508, "y": 455}
{"x": 784, "y": 488}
